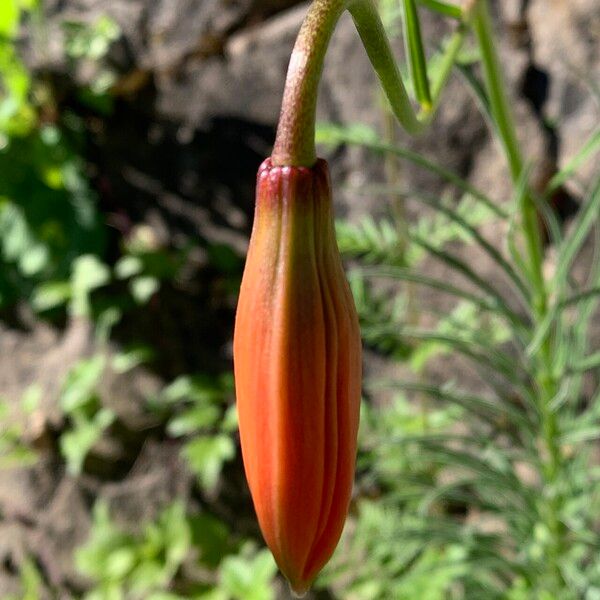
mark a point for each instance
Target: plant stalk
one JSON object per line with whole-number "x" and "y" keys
{"x": 294, "y": 143}
{"x": 545, "y": 381}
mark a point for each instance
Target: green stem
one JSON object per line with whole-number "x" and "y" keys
{"x": 504, "y": 122}
{"x": 545, "y": 381}
{"x": 374, "y": 39}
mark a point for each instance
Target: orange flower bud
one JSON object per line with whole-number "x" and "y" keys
{"x": 297, "y": 357}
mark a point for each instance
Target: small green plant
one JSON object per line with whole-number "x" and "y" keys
{"x": 203, "y": 418}
{"x": 17, "y": 114}
{"x": 88, "y": 419}
{"x": 14, "y": 452}
{"x": 247, "y": 575}
{"x": 145, "y": 265}
{"x": 500, "y": 501}
{"x": 90, "y": 40}
{"x": 31, "y": 582}
{"x": 134, "y": 566}
{"x": 48, "y": 214}
{"x": 147, "y": 564}
{"x": 90, "y": 43}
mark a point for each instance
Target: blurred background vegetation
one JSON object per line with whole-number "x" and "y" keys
{"x": 130, "y": 135}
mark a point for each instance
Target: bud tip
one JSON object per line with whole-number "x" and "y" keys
{"x": 300, "y": 593}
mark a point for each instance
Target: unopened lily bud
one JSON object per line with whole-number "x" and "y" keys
{"x": 297, "y": 356}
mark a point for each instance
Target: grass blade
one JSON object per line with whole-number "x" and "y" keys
{"x": 582, "y": 296}
{"x": 366, "y": 138}
{"x": 442, "y": 8}
{"x": 481, "y": 241}
{"x": 585, "y": 220}
{"x": 487, "y": 303}
{"x": 589, "y": 148}
{"x": 483, "y": 354}
{"x": 588, "y": 363}
{"x": 461, "y": 267}
{"x": 416, "y": 53}
{"x": 478, "y": 405}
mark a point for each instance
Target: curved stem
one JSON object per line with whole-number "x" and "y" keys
{"x": 294, "y": 143}
{"x": 374, "y": 39}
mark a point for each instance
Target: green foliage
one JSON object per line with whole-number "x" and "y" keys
{"x": 17, "y": 115}
{"x": 376, "y": 310}
{"x": 81, "y": 404}
{"x": 466, "y": 323}
{"x": 400, "y": 468}
{"x": 131, "y": 357}
{"x": 383, "y": 243}
{"x": 374, "y": 242}
{"x": 487, "y": 490}
{"x": 248, "y": 575}
{"x": 48, "y": 220}
{"x": 31, "y": 582}
{"x": 147, "y": 564}
{"x": 206, "y": 455}
{"x": 203, "y": 418}
{"x": 91, "y": 41}
{"x": 50, "y": 229}
{"x": 476, "y": 497}
{"x": 133, "y": 566}
{"x": 145, "y": 266}
{"x": 13, "y": 451}
{"x": 385, "y": 564}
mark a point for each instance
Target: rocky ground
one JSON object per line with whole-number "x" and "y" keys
{"x": 199, "y": 90}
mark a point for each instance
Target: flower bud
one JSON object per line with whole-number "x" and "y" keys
{"x": 297, "y": 356}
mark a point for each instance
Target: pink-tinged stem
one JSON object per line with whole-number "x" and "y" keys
{"x": 295, "y": 141}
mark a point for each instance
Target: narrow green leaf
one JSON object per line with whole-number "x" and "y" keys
{"x": 580, "y": 435}
{"x": 518, "y": 201}
{"x": 479, "y": 239}
{"x": 578, "y": 347}
{"x": 549, "y": 217}
{"x": 462, "y": 459}
{"x": 461, "y": 267}
{"x": 583, "y": 296}
{"x": 443, "y": 8}
{"x": 589, "y": 148}
{"x": 588, "y": 363}
{"x": 416, "y": 53}
{"x": 478, "y": 90}
{"x": 403, "y": 274}
{"x": 501, "y": 502}
{"x": 479, "y": 352}
{"x": 332, "y": 134}
{"x": 496, "y": 409}
{"x": 587, "y": 217}
{"x": 441, "y": 64}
